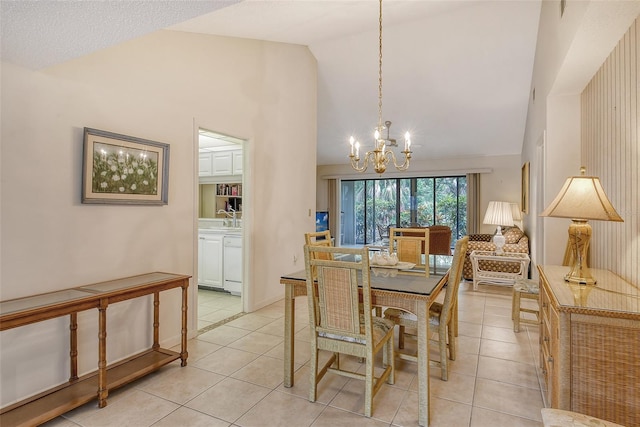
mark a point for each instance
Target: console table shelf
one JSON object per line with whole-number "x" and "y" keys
{"x": 96, "y": 385}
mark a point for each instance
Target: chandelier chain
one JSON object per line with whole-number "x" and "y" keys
{"x": 380, "y": 71}
{"x": 380, "y": 156}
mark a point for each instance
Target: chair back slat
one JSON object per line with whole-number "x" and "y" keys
{"x": 455, "y": 276}
{"x": 335, "y": 307}
{"x": 439, "y": 240}
{"x": 409, "y": 244}
{"x": 338, "y": 300}
{"x": 319, "y": 238}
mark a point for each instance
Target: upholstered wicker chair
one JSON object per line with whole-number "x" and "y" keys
{"x": 408, "y": 243}
{"x": 319, "y": 238}
{"x": 340, "y": 324}
{"x": 441, "y": 315}
{"x": 516, "y": 241}
{"x": 439, "y": 242}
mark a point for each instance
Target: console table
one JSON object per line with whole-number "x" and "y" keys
{"x": 497, "y": 277}
{"x": 80, "y": 390}
{"x": 589, "y": 341}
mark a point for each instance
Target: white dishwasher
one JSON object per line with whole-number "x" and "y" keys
{"x": 233, "y": 264}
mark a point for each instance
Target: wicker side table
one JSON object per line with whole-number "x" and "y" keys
{"x": 483, "y": 275}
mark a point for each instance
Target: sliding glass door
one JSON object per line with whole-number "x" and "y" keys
{"x": 371, "y": 205}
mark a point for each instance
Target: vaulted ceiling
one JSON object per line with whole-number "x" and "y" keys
{"x": 456, "y": 74}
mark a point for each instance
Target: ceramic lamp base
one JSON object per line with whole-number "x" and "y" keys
{"x": 579, "y": 237}
{"x": 499, "y": 241}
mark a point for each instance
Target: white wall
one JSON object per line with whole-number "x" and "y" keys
{"x": 158, "y": 87}
{"x": 569, "y": 51}
{"x": 499, "y": 179}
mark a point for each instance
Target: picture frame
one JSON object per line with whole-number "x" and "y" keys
{"x": 121, "y": 169}
{"x": 524, "y": 194}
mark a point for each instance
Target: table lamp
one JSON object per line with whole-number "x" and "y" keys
{"x": 581, "y": 198}
{"x": 515, "y": 212}
{"x": 498, "y": 213}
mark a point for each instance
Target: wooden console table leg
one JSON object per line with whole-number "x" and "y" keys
{"x": 183, "y": 344}
{"x": 102, "y": 354}
{"x": 156, "y": 320}
{"x": 73, "y": 346}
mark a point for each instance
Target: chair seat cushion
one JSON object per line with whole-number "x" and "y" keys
{"x": 527, "y": 286}
{"x": 380, "y": 325}
{"x": 434, "y": 314}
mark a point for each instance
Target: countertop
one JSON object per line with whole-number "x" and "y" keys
{"x": 220, "y": 230}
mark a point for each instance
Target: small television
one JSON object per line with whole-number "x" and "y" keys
{"x": 322, "y": 221}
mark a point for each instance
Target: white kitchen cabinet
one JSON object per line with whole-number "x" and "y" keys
{"x": 210, "y": 252}
{"x": 237, "y": 162}
{"x": 205, "y": 164}
{"x": 222, "y": 163}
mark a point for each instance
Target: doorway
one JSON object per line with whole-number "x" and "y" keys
{"x": 219, "y": 211}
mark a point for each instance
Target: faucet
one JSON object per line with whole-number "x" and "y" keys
{"x": 231, "y": 213}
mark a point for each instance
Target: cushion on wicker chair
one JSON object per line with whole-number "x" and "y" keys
{"x": 512, "y": 235}
{"x": 516, "y": 241}
{"x": 381, "y": 327}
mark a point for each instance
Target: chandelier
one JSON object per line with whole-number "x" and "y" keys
{"x": 381, "y": 155}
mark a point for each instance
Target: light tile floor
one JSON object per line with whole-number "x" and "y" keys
{"x": 234, "y": 378}
{"x": 216, "y": 306}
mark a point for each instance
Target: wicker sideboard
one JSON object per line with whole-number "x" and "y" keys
{"x": 589, "y": 341}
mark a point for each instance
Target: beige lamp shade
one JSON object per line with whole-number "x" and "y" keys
{"x": 515, "y": 212}
{"x": 582, "y": 197}
{"x": 498, "y": 213}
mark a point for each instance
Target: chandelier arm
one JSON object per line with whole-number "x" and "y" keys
{"x": 405, "y": 165}
{"x": 355, "y": 162}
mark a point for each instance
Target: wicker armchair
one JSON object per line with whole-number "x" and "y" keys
{"x": 319, "y": 238}
{"x": 409, "y": 244}
{"x": 439, "y": 242}
{"x": 516, "y": 241}
{"x": 442, "y": 317}
{"x": 340, "y": 324}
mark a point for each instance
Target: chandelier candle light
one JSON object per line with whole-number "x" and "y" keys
{"x": 380, "y": 156}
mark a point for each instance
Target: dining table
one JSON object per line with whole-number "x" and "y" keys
{"x": 410, "y": 292}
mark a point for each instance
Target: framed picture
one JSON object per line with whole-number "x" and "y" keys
{"x": 524, "y": 202}
{"x": 121, "y": 169}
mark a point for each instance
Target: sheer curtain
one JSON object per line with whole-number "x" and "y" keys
{"x": 334, "y": 210}
{"x": 473, "y": 203}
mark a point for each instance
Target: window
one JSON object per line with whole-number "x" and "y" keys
{"x": 371, "y": 205}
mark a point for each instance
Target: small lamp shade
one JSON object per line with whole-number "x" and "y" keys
{"x": 498, "y": 213}
{"x": 515, "y": 212}
{"x": 581, "y": 198}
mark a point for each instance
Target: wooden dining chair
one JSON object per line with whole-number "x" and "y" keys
{"x": 408, "y": 243}
{"x": 340, "y": 320}
{"x": 441, "y": 315}
{"x": 319, "y": 238}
